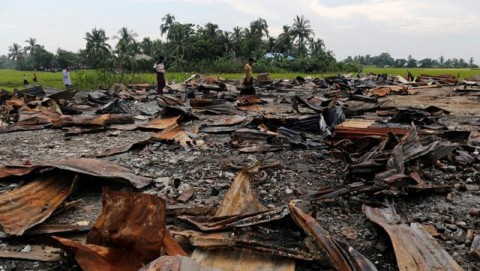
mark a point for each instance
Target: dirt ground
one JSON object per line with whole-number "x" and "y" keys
{"x": 211, "y": 169}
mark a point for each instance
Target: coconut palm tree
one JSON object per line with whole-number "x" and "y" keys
{"x": 259, "y": 28}
{"x": 168, "y": 20}
{"x": 126, "y": 49}
{"x": 15, "y": 52}
{"x": 125, "y": 36}
{"x": 285, "y": 40}
{"x": 302, "y": 31}
{"x": 146, "y": 46}
{"x": 179, "y": 35}
{"x": 31, "y": 47}
{"x": 317, "y": 47}
{"x": 97, "y": 49}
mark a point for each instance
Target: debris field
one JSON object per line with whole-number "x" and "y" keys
{"x": 348, "y": 172}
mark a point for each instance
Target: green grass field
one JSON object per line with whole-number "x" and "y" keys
{"x": 85, "y": 80}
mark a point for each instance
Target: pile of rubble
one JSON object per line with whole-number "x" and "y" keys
{"x": 309, "y": 153}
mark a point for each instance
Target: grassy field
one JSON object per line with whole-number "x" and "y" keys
{"x": 84, "y": 80}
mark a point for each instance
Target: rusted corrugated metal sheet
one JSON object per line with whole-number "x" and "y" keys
{"x": 342, "y": 132}
{"x": 97, "y": 258}
{"x": 176, "y": 134}
{"x": 33, "y": 203}
{"x": 99, "y": 168}
{"x": 414, "y": 248}
{"x": 91, "y": 167}
{"x": 341, "y": 256}
{"x": 160, "y": 124}
{"x": 129, "y": 233}
{"x": 241, "y": 199}
{"x": 10, "y": 172}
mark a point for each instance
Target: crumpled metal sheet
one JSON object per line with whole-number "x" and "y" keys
{"x": 6, "y": 172}
{"x": 241, "y": 199}
{"x": 177, "y": 134}
{"x": 236, "y": 221}
{"x": 99, "y": 168}
{"x": 221, "y": 109}
{"x": 116, "y": 106}
{"x": 160, "y": 124}
{"x": 39, "y": 112}
{"x": 33, "y": 203}
{"x": 135, "y": 222}
{"x": 252, "y": 239}
{"x": 97, "y": 258}
{"x": 92, "y": 167}
{"x": 341, "y": 256}
{"x": 102, "y": 120}
{"x": 414, "y": 248}
{"x": 129, "y": 233}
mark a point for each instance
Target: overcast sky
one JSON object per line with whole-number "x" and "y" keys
{"x": 422, "y": 28}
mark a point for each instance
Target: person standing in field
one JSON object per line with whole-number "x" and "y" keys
{"x": 248, "y": 88}
{"x": 25, "y": 81}
{"x": 67, "y": 81}
{"x": 35, "y": 78}
{"x": 160, "y": 69}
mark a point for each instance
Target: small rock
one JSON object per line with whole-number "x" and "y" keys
{"x": 451, "y": 227}
{"x": 271, "y": 206}
{"x": 26, "y": 249}
{"x": 420, "y": 218}
{"x": 288, "y": 191}
{"x": 451, "y": 169}
{"x": 461, "y": 224}
{"x": 460, "y": 186}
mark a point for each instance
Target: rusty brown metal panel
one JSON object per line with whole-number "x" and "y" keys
{"x": 135, "y": 222}
{"x": 161, "y": 124}
{"x": 99, "y": 168}
{"x": 129, "y": 233}
{"x": 341, "y": 256}
{"x": 6, "y": 172}
{"x": 415, "y": 249}
{"x": 33, "y": 203}
{"x": 98, "y": 258}
{"x": 241, "y": 199}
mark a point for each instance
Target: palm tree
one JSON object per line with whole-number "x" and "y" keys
{"x": 302, "y": 31}
{"x": 259, "y": 27}
{"x": 16, "y": 52}
{"x": 125, "y": 36}
{"x": 146, "y": 46}
{"x": 168, "y": 20}
{"x": 317, "y": 47}
{"x": 285, "y": 40}
{"x": 179, "y": 35}
{"x": 97, "y": 49}
{"x": 226, "y": 41}
{"x": 31, "y": 47}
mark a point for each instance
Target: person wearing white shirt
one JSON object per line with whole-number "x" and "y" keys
{"x": 160, "y": 69}
{"x": 67, "y": 81}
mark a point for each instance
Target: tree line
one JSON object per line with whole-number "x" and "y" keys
{"x": 386, "y": 60}
{"x": 189, "y": 47}
{"x": 207, "y": 48}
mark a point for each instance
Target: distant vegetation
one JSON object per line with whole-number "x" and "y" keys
{"x": 384, "y": 60}
{"x": 207, "y": 49}
{"x": 189, "y": 47}
{"x": 100, "y": 79}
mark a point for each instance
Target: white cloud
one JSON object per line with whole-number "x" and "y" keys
{"x": 9, "y": 26}
{"x": 404, "y": 15}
